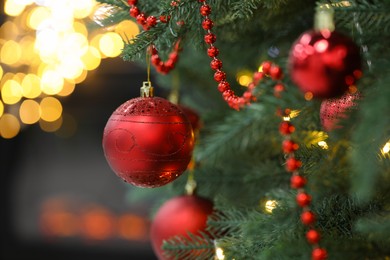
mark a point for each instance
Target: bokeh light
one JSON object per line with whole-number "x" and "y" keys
{"x": 29, "y": 111}
{"x": 9, "y": 126}
{"x": 51, "y": 47}
{"x": 51, "y": 109}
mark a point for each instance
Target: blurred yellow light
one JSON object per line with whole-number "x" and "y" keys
{"x": 386, "y": 148}
{"x": 81, "y": 78}
{"x": 47, "y": 43}
{"x": 67, "y": 89}
{"x": 9, "y": 126}
{"x": 13, "y": 8}
{"x": 11, "y": 92}
{"x": 91, "y": 58}
{"x": 9, "y": 30}
{"x": 1, "y": 108}
{"x": 1, "y": 72}
{"x": 127, "y": 29}
{"x": 31, "y": 86}
{"x": 323, "y": 145}
{"x": 111, "y": 44}
{"x": 95, "y": 42}
{"x": 51, "y": 82}
{"x": 244, "y": 80}
{"x": 51, "y": 109}
{"x": 270, "y": 205}
{"x": 37, "y": 16}
{"x": 11, "y": 52}
{"x": 82, "y": 8}
{"x": 73, "y": 44}
{"x": 51, "y": 126}
{"x": 27, "y": 47}
{"x": 80, "y": 27}
{"x": 219, "y": 254}
{"x": 29, "y": 111}
{"x": 308, "y": 96}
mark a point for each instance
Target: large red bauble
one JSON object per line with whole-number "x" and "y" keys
{"x": 193, "y": 116}
{"x": 177, "y": 216}
{"x": 324, "y": 63}
{"x": 335, "y": 109}
{"x": 148, "y": 142}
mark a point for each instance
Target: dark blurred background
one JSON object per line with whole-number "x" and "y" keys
{"x": 59, "y": 198}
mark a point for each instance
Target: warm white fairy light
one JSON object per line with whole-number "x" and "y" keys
{"x": 219, "y": 254}
{"x": 270, "y": 205}
{"x": 323, "y": 145}
{"x": 386, "y": 148}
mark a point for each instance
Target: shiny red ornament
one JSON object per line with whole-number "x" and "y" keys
{"x": 286, "y": 128}
{"x": 289, "y": 146}
{"x": 177, "y": 217}
{"x": 148, "y": 141}
{"x": 335, "y": 109}
{"x": 324, "y": 62}
{"x": 293, "y": 164}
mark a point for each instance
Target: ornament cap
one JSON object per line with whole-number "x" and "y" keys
{"x": 323, "y": 19}
{"x": 147, "y": 89}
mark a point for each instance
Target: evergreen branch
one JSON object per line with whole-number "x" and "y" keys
{"x": 189, "y": 247}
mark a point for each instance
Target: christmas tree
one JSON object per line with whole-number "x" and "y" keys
{"x": 292, "y": 174}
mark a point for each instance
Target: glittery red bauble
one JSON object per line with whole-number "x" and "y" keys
{"x": 148, "y": 142}
{"x": 178, "y": 216}
{"x": 335, "y": 109}
{"x": 324, "y": 63}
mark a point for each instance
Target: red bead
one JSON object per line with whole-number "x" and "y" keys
{"x": 248, "y": 95}
{"x": 289, "y": 146}
{"x": 165, "y": 18}
{"x": 170, "y": 64}
{"x": 297, "y": 181}
{"x": 278, "y": 89}
{"x": 216, "y": 64}
{"x": 174, "y": 4}
{"x": 227, "y": 94}
{"x": 276, "y": 72}
{"x": 319, "y": 254}
{"x": 212, "y": 52}
{"x": 257, "y": 76}
{"x": 201, "y": 1}
{"x": 266, "y": 66}
{"x": 174, "y": 56}
{"x": 205, "y": 10}
{"x": 286, "y": 128}
{"x": 303, "y": 199}
{"x": 223, "y": 86}
{"x": 141, "y": 18}
{"x": 155, "y": 59}
{"x": 210, "y": 38}
{"x": 292, "y": 164}
{"x": 134, "y": 11}
{"x": 207, "y": 24}
{"x": 219, "y": 76}
{"x": 312, "y": 236}
{"x": 308, "y": 218}
{"x": 151, "y": 21}
{"x": 132, "y": 2}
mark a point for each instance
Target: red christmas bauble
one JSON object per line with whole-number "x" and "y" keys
{"x": 335, "y": 109}
{"x": 324, "y": 63}
{"x": 148, "y": 142}
{"x": 177, "y": 216}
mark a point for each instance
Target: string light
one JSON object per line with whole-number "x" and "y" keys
{"x": 270, "y": 205}
{"x": 386, "y": 148}
{"x": 323, "y": 145}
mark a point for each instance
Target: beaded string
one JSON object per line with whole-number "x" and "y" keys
{"x": 228, "y": 94}
{"x": 149, "y": 21}
{"x": 298, "y": 182}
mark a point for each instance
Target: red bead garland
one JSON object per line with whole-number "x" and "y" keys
{"x": 298, "y": 182}
{"x": 234, "y": 101}
{"x": 149, "y": 21}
